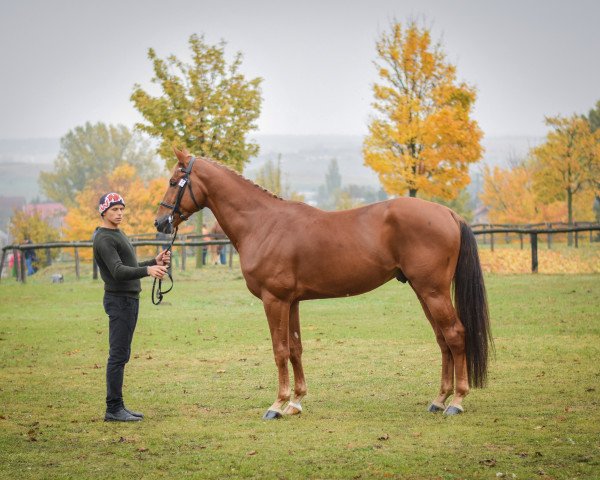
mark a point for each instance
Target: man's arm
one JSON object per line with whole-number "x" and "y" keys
{"x": 108, "y": 252}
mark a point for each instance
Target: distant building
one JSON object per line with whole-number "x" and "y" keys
{"x": 52, "y": 213}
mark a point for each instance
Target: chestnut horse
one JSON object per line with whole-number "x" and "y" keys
{"x": 290, "y": 251}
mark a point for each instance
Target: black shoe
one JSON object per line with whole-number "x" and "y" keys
{"x": 135, "y": 414}
{"x": 121, "y": 416}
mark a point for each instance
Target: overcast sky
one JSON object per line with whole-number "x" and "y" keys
{"x": 65, "y": 62}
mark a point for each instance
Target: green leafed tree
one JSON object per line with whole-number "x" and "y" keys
{"x": 90, "y": 152}
{"x": 270, "y": 177}
{"x": 207, "y": 106}
{"x": 594, "y": 117}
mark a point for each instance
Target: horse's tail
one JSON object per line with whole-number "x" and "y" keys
{"x": 470, "y": 301}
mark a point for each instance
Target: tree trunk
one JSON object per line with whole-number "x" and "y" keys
{"x": 412, "y": 192}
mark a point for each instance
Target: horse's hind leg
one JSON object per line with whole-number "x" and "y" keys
{"x": 278, "y": 315}
{"x": 447, "y": 381}
{"x": 446, "y": 321}
{"x": 294, "y": 407}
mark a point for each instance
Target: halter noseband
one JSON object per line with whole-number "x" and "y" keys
{"x": 183, "y": 182}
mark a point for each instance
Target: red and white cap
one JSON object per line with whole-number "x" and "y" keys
{"x": 108, "y": 201}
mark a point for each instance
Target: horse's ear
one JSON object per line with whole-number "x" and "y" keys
{"x": 179, "y": 154}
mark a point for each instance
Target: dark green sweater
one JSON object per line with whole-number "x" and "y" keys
{"x": 118, "y": 264}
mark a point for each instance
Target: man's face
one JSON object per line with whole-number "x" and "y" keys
{"x": 114, "y": 215}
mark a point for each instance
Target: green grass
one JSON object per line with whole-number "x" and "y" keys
{"x": 203, "y": 373}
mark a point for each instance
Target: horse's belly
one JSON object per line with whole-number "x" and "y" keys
{"x": 342, "y": 279}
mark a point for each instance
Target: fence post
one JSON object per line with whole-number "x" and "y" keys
{"x": 48, "y": 257}
{"x": 521, "y": 239}
{"x": 492, "y": 241}
{"x": 576, "y": 239}
{"x": 534, "y": 253}
{"x": 549, "y": 241}
{"x": 23, "y": 267}
{"x": 2, "y": 263}
{"x": 77, "y": 263}
{"x": 183, "y": 254}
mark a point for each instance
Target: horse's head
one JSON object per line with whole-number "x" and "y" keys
{"x": 184, "y": 197}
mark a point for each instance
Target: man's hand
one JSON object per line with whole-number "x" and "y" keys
{"x": 163, "y": 258}
{"x": 157, "y": 271}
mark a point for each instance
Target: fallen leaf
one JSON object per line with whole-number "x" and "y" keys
{"x": 142, "y": 449}
{"x": 384, "y": 437}
{"x": 252, "y": 452}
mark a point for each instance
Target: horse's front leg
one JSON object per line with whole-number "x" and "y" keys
{"x": 278, "y": 315}
{"x": 295, "y": 407}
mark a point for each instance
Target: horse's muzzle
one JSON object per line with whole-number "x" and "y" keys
{"x": 164, "y": 224}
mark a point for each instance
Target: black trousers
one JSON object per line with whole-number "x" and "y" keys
{"x": 122, "y": 313}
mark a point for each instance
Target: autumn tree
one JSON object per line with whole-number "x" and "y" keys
{"x": 207, "y": 106}
{"x": 31, "y": 226}
{"x": 567, "y": 161}
{"x": 511, "y": 199}
{"x": 90, "y": 152}
{"x": 422, "y": 138}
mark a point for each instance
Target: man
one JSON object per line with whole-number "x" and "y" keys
{"x": 121, "y": 273}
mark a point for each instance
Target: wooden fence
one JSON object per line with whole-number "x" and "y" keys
{"x": 486, "y": 230}
{"x": 19, "y": 252}
{"x": 533, "y": 233}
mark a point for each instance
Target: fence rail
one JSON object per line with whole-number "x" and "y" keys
{"x": 478, "y": 229}
{"x": 21, "y": 265}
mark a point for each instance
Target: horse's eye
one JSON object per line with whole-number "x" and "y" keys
{"x": 172, "y": 183}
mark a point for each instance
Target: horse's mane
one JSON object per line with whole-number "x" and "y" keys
{"x": 231, "y": 170}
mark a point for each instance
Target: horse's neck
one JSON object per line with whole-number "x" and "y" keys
{"x": 236, "y": 203}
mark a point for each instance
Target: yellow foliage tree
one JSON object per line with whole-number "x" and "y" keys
{"x": 31, "y": 226}
{"x": 567, "y": 162}
{"x": 510, "y": 197}
{"x": 141, "y": 199}
{"x": 422, "y": 139}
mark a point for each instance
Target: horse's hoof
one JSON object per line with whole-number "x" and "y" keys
{"x": 435, "y": 408}
{"x": 271, "y": 415}
{"x": 453, "y": 410}
{"x": 293, "y": 409}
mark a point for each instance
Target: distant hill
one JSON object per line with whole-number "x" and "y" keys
{"x": 304, "y": 160}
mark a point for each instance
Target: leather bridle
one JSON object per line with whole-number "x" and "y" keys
{"x": 158, "y": 294}
{"x": 183, "y": 183}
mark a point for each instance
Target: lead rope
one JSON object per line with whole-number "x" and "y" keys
{"x": 158, "y": 294}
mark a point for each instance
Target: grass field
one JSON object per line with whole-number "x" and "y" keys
{"x": 203, "y": 373}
